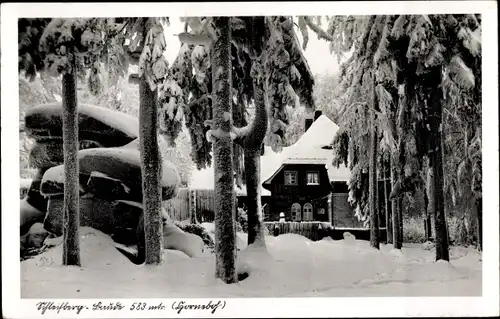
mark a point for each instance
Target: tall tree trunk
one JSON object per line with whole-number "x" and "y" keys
{"x": 192, "y": 206}
{"x": 71, "y": 216}
{"x": 388, "y": 224}
{"x": 396, "y": 240}
{"x": 479, "y": 216}
{"x": 429, "y": 199}
{"x": 400, "y": 219}
{"x": 151, "y": 173}
{"x": 253, "y": 144}
{"x": 372, "y": 181}
{"x": 225, "y": 239}
{"x": 254, "y": 205}
{"x": 436, "y": 164}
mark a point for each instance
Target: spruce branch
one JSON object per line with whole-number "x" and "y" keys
{"x": 319, "y": 32}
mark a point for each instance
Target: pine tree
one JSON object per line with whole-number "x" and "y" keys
{"x": 374, "y": 220}
{"x": 67, "y": 44}
{"x": 146, "y": 49}
{"x": 268, "y": 63}
{"x": 221, "y": 132}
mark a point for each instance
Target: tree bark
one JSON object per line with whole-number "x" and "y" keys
{"x": 192, "y": 206}
{"x": 388, "y": 224}
{"x": 151, "y": 173}
{"x": 225, "y": 239}
{"x": 372, "y": 200}
{"x": 396, "y": 240}
{"x": 71, "y": 217}
{"x": 429, "y": 203}
{"x": 436, "y": 165}
{"x": 254, "y": 205}
{"x": 479, "y": 216}
{"x": 252, "y": 144}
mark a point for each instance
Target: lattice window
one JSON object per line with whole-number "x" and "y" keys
{"x": 308, "y": 212}
{"x": 296, "y": 210}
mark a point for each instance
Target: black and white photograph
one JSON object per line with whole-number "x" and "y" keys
{"x": 184, "y": 159}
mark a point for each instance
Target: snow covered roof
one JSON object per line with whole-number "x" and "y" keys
{"x": 314, "y": 147}
{"x": 270, "y": 162}
{"x": 309, "y": 149}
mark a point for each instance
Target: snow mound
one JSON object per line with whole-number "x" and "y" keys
{"x": 190, "y": 244}
{"x": 396, "y": 253}
{"x": 348, "y": 236}
{"x": 97, "y": 250}
{"x": 25, "y": 183}
{"x": 428, "y": 245}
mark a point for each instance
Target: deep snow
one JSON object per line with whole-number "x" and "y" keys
{"x": 293, "y": 266}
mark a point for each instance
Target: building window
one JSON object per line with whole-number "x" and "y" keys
{"x": 290, "y": 178}
{"x": 308, "y": 212}
{"x": 295, "y": 212}
{"x": 312, "y": 178}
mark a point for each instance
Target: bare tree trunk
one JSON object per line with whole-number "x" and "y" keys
{"x": 374, "y": 219}
{"x": 396, "y": 240}
{"x": 151, "y": 174}
{"x": 253, "y": 144}
{"x": 429, "y": 209}
{"x": 388, "y": 223}
{"x": 192, "y": 206}
{"x": 254, "y": 206}
{"x": 225, "y": 239}
{"x": 71, "y": 216}
{"x": 434, "y": 118}
{"x": 479, "y": 216}
{"x": 400, "y": 219}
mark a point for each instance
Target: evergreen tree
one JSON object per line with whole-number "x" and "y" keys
{"x": 270, "y": 60}
{"x": 62, "y": 47}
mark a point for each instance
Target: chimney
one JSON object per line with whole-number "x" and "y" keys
{"x": 308, "y": 124}
{"x": 317, "y": 114}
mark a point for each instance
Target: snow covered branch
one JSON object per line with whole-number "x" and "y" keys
{"x": 320, "y": 32}
{"x": 195, "y": 39}
{"x": 238, "y": 134}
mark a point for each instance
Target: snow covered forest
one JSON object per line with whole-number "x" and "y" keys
{"x": 110, "y": 130}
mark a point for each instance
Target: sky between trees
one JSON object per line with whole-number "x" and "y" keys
{"x": 318, "y": 55}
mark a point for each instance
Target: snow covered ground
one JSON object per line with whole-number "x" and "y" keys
{"x": 293, "y": 266}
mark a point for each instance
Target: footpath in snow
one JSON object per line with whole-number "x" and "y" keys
{"x": 292, "y": 266}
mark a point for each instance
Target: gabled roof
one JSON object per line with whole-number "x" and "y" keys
{"x": 313, "y": 148}
{"x": 269, "y": 163}
{"x": 309, "y": 149}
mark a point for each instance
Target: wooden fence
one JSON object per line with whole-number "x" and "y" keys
{"x": 318, "y": 230}
{"x": 312, "y": 230}
{"x": 202, "y": 200}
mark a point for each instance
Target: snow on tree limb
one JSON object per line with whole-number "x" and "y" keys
{"x": 319, "y": 32}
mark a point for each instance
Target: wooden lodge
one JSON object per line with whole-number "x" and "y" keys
{"x": 300, "y": 181}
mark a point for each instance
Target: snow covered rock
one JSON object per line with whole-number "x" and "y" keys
{"x": 108, "y": 127}
{"x": 35, "y": 198}
{"x": 110, "y": 217}
{"x": 52, "y": 183}
{"x": 36, "y": 236}
{"x": 24, "y": 187}
{"x": 50, "y": 153}
{"x": 124, "y": 164}
{"x": 349, "y": 237}
{"x": 29, "y": 215}
{"x": 428, "y": 245}
{"x": 104, "y": 186}
{"x": 176, "y": 239}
